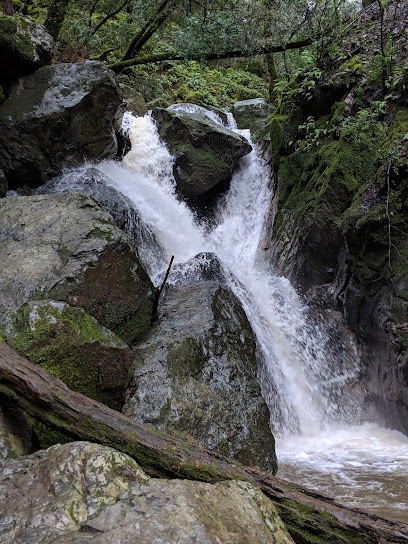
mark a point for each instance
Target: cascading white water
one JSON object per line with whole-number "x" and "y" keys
{"x": 303, "y": 383}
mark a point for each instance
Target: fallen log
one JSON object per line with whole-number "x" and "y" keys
{"x": 309, "y": 517}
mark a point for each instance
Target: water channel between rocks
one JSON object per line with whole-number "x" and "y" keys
{"x": 320, "y": 442}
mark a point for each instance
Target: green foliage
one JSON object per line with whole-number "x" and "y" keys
{"x": 197, "y": 83}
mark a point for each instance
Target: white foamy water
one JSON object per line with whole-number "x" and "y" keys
{"x": 303, "y": 382}
{"x": 364, "y": 466}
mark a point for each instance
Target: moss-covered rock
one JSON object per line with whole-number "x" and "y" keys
{"x": 74, "y": 347}
{"x": 60, "y": 114}
{"x": 205, "y": 153}
{"x": 252, "y": 113}
{"x": 65, "y": 247}
{"x": 196, "y": 374}
{"x": 24, "y": 47}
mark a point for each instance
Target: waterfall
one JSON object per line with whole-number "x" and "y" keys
{"x": 299, "y": 382}
{"x": 303, "y": 380}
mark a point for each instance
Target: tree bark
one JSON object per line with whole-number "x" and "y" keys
{"x": 310, "y": 517}
{"x": 154, "y": 23}
{"x": 160, "y": 57}
{"x": 109, "y": 16}
{"x": 55, "y": 17}
{"x": 8, "y": 7}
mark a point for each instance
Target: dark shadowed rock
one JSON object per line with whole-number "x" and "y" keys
{"x": 3, "y": 184}
{"x": 24, "y": 47}
{"x": 57, "y": 116}
{"x": 66, "y": 248}
{"x": 196, "y": 374}
{"x": 205, "y": 153}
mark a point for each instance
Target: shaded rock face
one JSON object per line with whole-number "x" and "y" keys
{"x": 331, "y": 227}
{"x": 24, "y": 47}
{"x": 66, "y": 248}
{"x": 3, "y": 184}
{"x": 57, "y": 116}
{"x": 134, "y": 101}
{"x": 71, "y": 345}
{"x": 86, "y": 493}
{"x": 251, "y": 113}
{"x": 205, "y": 154}
{"x": 196, "y": 375}
{"x": 16, "y": 433}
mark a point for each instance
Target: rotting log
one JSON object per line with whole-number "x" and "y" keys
{"x": 309, "y": 517}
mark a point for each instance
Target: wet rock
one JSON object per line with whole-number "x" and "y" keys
{"x": 95, "y": 183}
{"x": 134, "y": 101}
{"x": 71, "y": 345}
{"x": 251, "y": 113}
{"x": 196, "y": 373}
{"x": 24, "y": 47}
{"x": 57, "y": 116}
{"x": 3, "y": 184}
{"x": 86, "y": 493}
{"x": 205, "y": 153}
{"x": 65, "y": 247}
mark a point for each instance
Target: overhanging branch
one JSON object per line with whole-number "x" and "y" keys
{"x": 166, "y": 56}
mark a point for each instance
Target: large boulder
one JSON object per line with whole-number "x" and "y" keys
{"x": 195, "y": 374}
{"x": 57, "y": 116}
{"x": 205, "y": 153}
{"x": 251, "y": 113}
{"x": 86, "y": 493}
{"x": 24, "y": 47}
{"x": 64, "y": 247}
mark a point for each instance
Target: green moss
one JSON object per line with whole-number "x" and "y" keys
{"x": 47, "y": 437}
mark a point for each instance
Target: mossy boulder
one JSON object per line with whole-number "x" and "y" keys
{"x": 83, "y": 492}
{"x": 205, "y": 153}
{"x": 252, "y": 113}
{"x": 56, "y": 117}
{"x": 25, "y": 46}
{"x": 72, "y": 346}
{"x": 195, "y": 374}
{"x": 65, "y": 247}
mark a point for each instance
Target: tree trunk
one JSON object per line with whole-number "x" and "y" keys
{"x": 310, "y": 518}
{"x": 8, "y": 7}
{"x": 55, "y": 17}
{"x": 273, "y": 78}
{"x": 151, "y": 27}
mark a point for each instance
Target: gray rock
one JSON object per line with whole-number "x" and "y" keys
{"x": 86, "y": 493}
{"x": 196, "y": 373}
{"x": 24, "y": 47}
{"x": 65, "y": 247}
{"x": 134, "y": 101}
{"x": 57, "y": 116}
{"x": 205, "y": 153}
{"x": 251, "y": 113}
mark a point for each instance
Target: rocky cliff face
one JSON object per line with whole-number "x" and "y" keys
{"x": 341, "y": 160}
